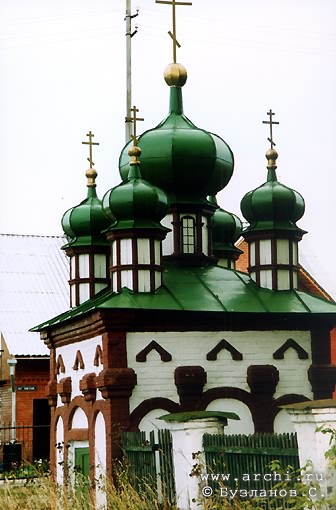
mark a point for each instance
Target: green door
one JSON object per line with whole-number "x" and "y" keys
{"x": 82, "y": 471}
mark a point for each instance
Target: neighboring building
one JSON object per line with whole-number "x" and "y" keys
{"x": 33, "y": 284}
{"x": 160, "y": 320}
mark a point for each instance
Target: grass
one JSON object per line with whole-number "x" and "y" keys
{"x": 42, "y": 494}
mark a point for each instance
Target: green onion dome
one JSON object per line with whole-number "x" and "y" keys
{"x": 226, "y": 230}
{"x": 84, "y": 223}
{"x": 135, "y": 203}
{"x": 272, "y": 205}
{"x": 186, "y": 162}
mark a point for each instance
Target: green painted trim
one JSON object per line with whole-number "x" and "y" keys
{"x": 198, "y": 415}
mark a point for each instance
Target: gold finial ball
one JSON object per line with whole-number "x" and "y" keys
{"x": 175, "y": 75}
{"x": 271, "y": 154}
{"x": 91, "y": 173}
{"x": 134, "y": 151}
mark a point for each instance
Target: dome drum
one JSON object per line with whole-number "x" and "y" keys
{"x": 89, "y": 272}
{"x": 136, "y": 261}
{"x": 190, "y": 238}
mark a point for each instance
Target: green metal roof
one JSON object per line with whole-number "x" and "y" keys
{"x": 202, "y": 289}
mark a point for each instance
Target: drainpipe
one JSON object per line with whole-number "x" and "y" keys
{"x": 12, "y": 363}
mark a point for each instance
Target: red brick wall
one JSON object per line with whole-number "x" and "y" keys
{"x": 242, "y": 262}
{"x": 30, "y": 372}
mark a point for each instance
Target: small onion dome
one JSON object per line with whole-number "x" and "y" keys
{"x": 272, "y": 205}
{"x": 84, "y": 223}
{"x": 135, "y": 203}
{"x": 226, "y": 230}
{"x": 186, "y": 162}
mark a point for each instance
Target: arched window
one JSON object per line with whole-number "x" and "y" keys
{"x": 188, "y": 234}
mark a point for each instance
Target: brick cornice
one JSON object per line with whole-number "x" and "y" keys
{"x": 106, "y": 320}
{"x": 75, "y": 330}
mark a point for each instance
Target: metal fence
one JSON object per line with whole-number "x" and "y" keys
{"x": 24, "y": 443}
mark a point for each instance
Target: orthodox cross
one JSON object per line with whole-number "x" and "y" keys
{"x": 134, "y": 119}
{"x": 270, "y": 122}
{"x": 90, "y": 143}
{"x": 173, "y": 3}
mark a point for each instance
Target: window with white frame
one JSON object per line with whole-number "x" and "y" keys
{"x": 188, "y": 234}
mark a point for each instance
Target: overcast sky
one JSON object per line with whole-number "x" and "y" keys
{"x": 63, "y": 74}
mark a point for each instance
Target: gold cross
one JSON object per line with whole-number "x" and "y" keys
{"x": 90, "y": 143}
{"x": 270, "y": 122}
{"x": 134, "y": 119}
{"x": 173, "y": 3}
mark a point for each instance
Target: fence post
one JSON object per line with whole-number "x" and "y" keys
{"x": 307, "y": 417}
{"x": 187, "y": 431}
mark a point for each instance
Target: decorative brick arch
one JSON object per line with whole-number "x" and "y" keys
{"x": 79, "y": 362}
{"x": 290, "y": 344}
{"x": 60, "y": 367}
{"x": 165, "y": 356}
{"x": 77, "y": 402}
{"x": 224, "y": 345}
{"x": 290, "y": 398}
{"x": 98, "y": 357}
{"x": 225, "y": 392}
{"x": 150, "y": 405}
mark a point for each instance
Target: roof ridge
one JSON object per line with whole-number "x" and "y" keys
{"x": 34, "y": 235}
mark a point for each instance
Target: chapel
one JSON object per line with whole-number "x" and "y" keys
{"x": 160, "y": 320}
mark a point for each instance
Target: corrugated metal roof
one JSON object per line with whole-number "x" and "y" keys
{"x": 34, "y": 274}
{"x": 207, "y": 289}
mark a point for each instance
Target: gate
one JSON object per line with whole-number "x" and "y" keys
{"x": 241, "y": 462}
{"x": 151, "y": 463}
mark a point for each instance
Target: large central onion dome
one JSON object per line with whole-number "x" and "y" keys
{"x": 273, "y": 205}
{"x": 186, "y": 162}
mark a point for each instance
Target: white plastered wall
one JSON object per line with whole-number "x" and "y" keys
{"x": 156, "y": 378}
